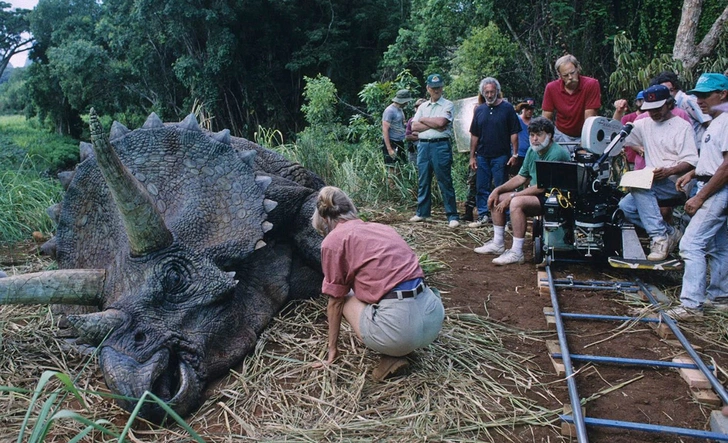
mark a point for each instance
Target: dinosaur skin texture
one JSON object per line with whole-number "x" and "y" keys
{"x": 195, "y": 240}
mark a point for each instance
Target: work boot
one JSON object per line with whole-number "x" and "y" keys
{"x": 658, "y": 249}
{"x": 468, "y": 217}
{"x": 683, "y": 313}
{"x": 389, "y": 366}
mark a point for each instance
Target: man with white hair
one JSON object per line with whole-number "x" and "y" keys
{"x": 493, "y": 144}
{"x": 573, "y": 98}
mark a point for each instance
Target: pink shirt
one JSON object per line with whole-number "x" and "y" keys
{"x": 570, "y": 107}
{"x": 369, "y": 258}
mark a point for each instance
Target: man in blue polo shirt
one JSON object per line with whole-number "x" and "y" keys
{"x": 493, "y": 144}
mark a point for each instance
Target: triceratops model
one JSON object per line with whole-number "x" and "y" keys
{"x": 187, "y": 243}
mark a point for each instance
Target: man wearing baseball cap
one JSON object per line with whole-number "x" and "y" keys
{"x": 669, "y": 148}
{"x": 433, "y": 122}
{"x": 705, "y": 243}
{"x": 393, "y": 128}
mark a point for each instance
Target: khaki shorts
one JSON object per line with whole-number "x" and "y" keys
{"x": 397, "y": 327}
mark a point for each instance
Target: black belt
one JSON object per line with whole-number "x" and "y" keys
{"x": 435, "y": 140}
{"x": 703, "y": 178}
{"x": 404, "y": 294}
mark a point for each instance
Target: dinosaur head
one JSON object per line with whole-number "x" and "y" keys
{"x": 162, "y": 229}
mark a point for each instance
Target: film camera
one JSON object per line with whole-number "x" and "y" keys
{"x": 582, "y": 220}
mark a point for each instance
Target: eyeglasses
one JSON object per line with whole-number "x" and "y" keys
{"x": 573, "y": 73}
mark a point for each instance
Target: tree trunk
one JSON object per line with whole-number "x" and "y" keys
{"x": 685, "y": 49}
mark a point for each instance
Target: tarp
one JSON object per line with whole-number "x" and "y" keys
{"x": 463, "y": 116}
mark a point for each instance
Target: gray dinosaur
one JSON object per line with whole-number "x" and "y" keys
{"x": 185, "y": 243}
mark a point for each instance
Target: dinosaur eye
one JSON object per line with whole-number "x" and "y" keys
{"x": 174, "y": 280}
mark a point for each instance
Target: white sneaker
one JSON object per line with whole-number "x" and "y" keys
{"x": 481, "y": 221}
{"x": 658, "y": 249}
{"x": 684, "y": 313}
{"x": 490, "y": 248}
{"x": 417, "y": 218}
{"x": 509, "y": 257}
{"x": 453, "y": 224}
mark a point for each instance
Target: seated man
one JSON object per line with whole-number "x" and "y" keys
{"x": 529, "y": 201}
{"x": 669, "y": 148}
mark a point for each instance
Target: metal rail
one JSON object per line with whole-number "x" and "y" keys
{"x": 649, "y": 428}
{"x": 717, "y": 386}
{"x": 577, "y": 417}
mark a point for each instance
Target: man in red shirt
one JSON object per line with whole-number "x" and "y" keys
{"x": 574, "y": 98}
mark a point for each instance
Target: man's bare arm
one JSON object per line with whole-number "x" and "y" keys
{"x": 425, "y": 123}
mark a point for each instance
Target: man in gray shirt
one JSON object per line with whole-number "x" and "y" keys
{"x": 393, "y": 128}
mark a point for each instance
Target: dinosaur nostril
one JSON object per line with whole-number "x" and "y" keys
{"x": 140, "y": 338}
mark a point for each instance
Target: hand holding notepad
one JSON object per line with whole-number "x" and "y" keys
{"x": 641, "y": 179}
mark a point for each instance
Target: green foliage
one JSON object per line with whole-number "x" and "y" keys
{"x": 50, "y": 411}
{"x": 487, "y": 53}
{"x": 14, "y": 94}
{"x": 634, "y": 71}
{"x": 378, "y": 95}
{"x": 28, "y": 162}
{"x": 47, "y": 153}
{"x": 13, "y": 33}
{"x": 320, "y": 99}
{"x": 24, "y": 197}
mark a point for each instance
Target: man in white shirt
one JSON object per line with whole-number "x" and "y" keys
{"x": 669, "y": 145}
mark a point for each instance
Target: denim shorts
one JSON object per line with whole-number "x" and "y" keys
{"x": 397, "y": 327}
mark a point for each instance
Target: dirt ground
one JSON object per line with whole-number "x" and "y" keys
{"x": 510, "y": 295}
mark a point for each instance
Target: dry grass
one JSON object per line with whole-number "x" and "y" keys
{"x": 467, "y": 386}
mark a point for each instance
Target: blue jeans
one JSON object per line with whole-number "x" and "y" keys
{"x": 640, "y": 207}
{"x": 435, "y": 157}
{"x": 706, "y": 239}
{"x": 491, "y": 173}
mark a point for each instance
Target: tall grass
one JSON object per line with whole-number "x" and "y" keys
{"x": 24, "y": 196}
{"x": 359, "y": 169}
{"x": 29, "y": 159}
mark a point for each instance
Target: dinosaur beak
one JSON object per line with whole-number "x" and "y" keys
{"x": 143, "y": 223}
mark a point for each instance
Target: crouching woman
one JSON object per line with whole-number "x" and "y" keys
{"x": 374, "y": 279}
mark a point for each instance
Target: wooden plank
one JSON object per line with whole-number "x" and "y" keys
{"x": 661, "y": 329}
{"x": 543, "y": 283}
{"x": 553, "y": 347}
{"x": 548, "y": 311}
{"x": 693, "y": 377}
{"x": 707, "y": 397}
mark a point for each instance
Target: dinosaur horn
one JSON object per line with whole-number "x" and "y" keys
{"x": 94, "y": 328}
{"x": 144, "y": 225}
{"x": 66, "y": 287}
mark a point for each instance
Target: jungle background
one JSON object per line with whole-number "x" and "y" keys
{"x": 311, "y": 78}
